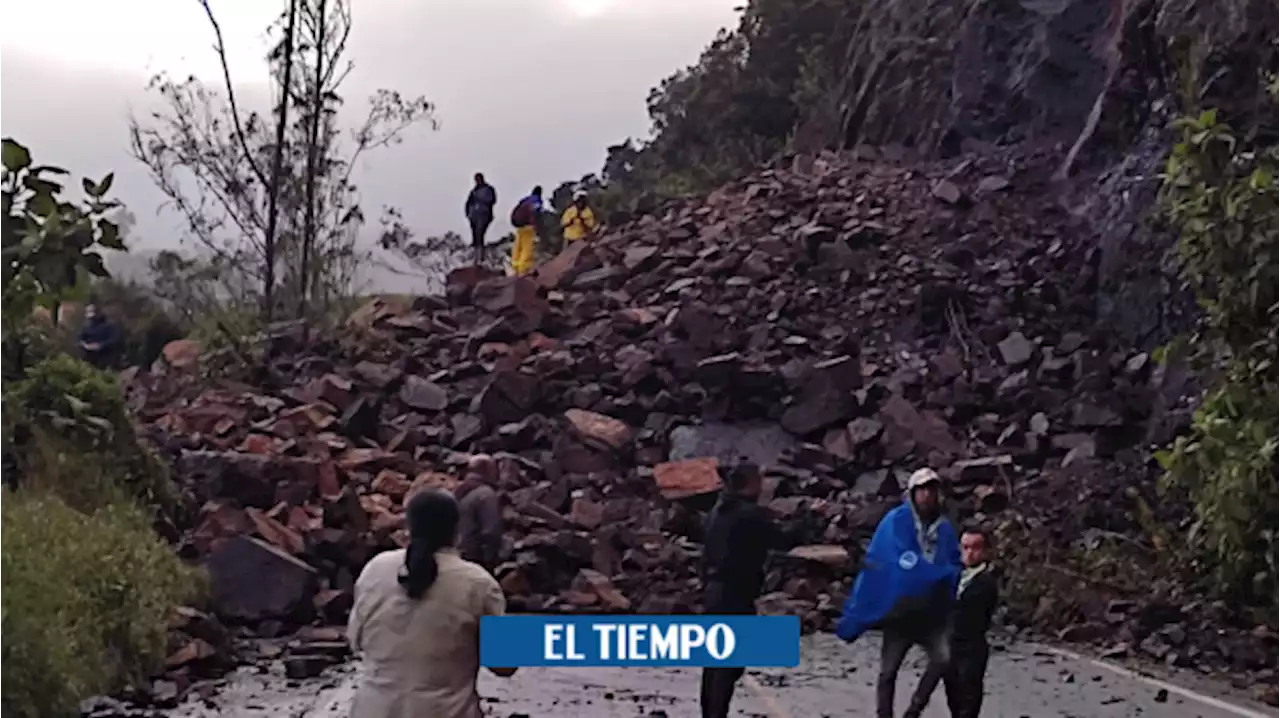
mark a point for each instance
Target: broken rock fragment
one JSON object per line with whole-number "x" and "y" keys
{"x": 825, "y": 396}
{"x": 252, "y": 580}
{"x": 833, "y": 556}
{"x": 1016, "y": 349}
{"x": 691, "y": 477}
{"x": 422, "y": 394}
{"x": 599, "y": 585}
{"x": 599, "y": 428}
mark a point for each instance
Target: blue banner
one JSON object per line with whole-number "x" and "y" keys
{"x": 730, "y": 641}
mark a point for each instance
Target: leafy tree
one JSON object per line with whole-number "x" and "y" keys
{"x": 51, "y": 246}
{"x": 268, "y": 201}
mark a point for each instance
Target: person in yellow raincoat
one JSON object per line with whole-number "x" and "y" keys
{"x": 578, "y": 221}
{"x": 525, "y": 219}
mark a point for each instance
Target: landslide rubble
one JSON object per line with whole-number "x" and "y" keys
{"x": 840, "y": 322}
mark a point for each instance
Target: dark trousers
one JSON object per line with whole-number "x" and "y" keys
{"x": 720, "y": 599}
{"x": 964, "y": 679}
{"x": 479, "y": 226}
{"x": 897, "y": 640}
{"x": 717, "y": 690}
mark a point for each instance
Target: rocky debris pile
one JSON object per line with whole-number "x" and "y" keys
{"x": 839, "y": 322}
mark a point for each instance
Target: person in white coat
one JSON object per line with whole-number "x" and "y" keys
{"x": 416, "y": 621}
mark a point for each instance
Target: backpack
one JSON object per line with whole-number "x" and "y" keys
{"x": 522, "y": 213}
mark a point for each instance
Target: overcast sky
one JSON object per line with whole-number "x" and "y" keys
{"x": 527, "y": 91}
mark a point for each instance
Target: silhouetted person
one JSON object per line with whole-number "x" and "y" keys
{"x": 740, "y": 534}
{"x": 481, "y": 522}
{"x": 416, "y": 621}
{"x": 479, "y": 211}
{"x": 99, "y": 338}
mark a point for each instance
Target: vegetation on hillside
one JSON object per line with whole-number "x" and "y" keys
{"x": 88, "y": 585}
{"x": 810, "y": 75}
{"x": 806, "y": 75}
{"x": 732, "y": 110}
{"x": 1221, "y": 193}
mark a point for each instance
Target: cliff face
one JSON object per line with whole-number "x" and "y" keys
{"x": 1099, "y": 79}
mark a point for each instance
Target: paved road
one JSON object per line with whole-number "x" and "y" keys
{"x": 833, "y": 680}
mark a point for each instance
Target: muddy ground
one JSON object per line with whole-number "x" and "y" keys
{"x": 833, "y": 680}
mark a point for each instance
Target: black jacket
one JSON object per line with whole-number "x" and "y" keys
{"x": 740, "y": 534}
{"x": 480, "y": 202}
{"x": 972, "y": 611}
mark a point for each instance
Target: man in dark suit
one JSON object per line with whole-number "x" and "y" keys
{"x": 975, "y": 603}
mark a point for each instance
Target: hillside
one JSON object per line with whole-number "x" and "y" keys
{"x": 1030, "y": 244}
{"x": 841, "y": 321}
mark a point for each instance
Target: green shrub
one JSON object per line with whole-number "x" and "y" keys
{"x": 67, "y": 431}
{"x": 85, "y": 603}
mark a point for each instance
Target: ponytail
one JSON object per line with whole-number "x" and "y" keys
{"x": 420, "y": 568}
{"x": 432, "y": 517}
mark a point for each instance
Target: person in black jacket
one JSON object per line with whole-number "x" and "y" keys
{"x": 479, "y": 211}
{"x": 740, "y": 533}
{"x": 99, "y": 339}
{"x": 976, "y": 599}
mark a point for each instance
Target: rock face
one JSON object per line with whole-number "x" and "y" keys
{"x": 841, "y": 325}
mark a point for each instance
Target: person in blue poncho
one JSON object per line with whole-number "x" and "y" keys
{"x": 905, "y": 588}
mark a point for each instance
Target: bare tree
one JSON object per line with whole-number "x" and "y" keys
{"x": 291, "y": 231}
{"x": 277, "y": 162}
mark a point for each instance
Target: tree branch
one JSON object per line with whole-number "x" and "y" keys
{"x": 221, "y": 49}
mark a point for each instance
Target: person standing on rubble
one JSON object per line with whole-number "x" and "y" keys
{"x": 99, "y": 338}
{"x": 524, "y": 217}
{"x": 739, "y": 536}
{"x": 481, "y": 512}
{"x": 416, "y": 621}
{"x": 578, "y": 221}
{"x": 906, "y": 588}
{"x": 479, "y": 211}
{"x": 976, "y": 600}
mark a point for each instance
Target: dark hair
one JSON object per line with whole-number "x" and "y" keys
{"x": 537, "y": 190}
{"x": 432, "y": 516}
{"x": 479, "y": 176}
{"x": 739, "y": 476}
{"x": 987, "y": 541}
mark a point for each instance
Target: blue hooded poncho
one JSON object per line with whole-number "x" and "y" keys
{"x": 896, "y": 577}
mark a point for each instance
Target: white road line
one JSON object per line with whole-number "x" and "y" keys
{"x": 766, "y": 696}
{"x": 1176, "y": 690}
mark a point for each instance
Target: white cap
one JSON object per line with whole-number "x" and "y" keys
{"x": 923, "y": 477}
{"x": 579, "y": 195}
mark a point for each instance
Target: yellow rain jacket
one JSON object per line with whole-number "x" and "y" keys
{"x": 577, "y": 224}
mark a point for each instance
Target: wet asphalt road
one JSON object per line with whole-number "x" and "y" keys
{"x": 833, "y": 680}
